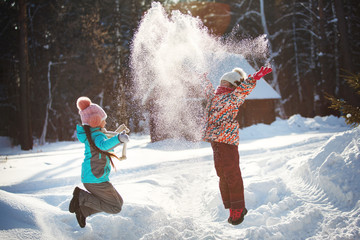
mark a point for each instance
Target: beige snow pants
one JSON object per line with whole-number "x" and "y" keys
{"x": 102, "y": 197}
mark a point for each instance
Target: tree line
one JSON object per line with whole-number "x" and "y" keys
{"x": 52, "y": 52}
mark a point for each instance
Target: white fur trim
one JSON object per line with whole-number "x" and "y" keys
{"x": 235, "y": 75}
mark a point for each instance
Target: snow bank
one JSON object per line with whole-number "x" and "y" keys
{"x": 335, "y": 168}
{"x": 301, "y": 180}
{"x": 295, "y": 124}
{"x": 5, "y": 142}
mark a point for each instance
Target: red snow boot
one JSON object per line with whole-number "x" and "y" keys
{"x": 237, "y": 216}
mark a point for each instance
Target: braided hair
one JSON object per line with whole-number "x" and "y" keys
{"x": 110, "y": 155}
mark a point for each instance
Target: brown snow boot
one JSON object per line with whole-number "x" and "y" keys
{"x": 80, "y": 218}
{"x": 74, "y": 203}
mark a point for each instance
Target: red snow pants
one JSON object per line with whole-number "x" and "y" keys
{"x": 226, "y": 160}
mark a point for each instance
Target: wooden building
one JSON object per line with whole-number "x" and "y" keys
{"x": 259, "y": 110}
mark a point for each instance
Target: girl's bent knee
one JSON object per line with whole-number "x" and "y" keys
{"x": 117, "y": 209}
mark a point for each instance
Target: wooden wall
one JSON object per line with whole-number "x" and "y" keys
{"x": 256, "y": 111}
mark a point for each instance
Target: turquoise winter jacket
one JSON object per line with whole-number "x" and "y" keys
{"x": 96, "y": 166}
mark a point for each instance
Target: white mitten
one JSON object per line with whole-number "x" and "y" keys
{"x": 123, "y": 137}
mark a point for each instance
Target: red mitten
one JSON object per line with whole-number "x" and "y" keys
{"x": 262, "y": 72}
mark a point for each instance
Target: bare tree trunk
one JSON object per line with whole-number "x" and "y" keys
{"x": 324, "y": 85}
{"x": 275, "y": 84}
{"x": 48, "y": 107}
{"x": 336, "y": 53}
{"x": 344, "y": 41}
{"x": 120, "y": 86}
{"x": 296, "y": 52}
{"x": 42, "y": 139}
{"x": 26, "y": 131}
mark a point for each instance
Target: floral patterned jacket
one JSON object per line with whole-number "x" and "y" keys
{"x": 221, "y": 125}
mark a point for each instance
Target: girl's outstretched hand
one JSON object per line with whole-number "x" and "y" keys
{"x": 262, "y": 72}
{"x": 123, "y": 137}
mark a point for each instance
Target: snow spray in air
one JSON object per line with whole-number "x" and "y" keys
{"x": 169, "y": 54}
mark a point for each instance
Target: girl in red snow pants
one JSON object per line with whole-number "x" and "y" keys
{"x": 222, "y": 130}
{"x": 226, "y": 159}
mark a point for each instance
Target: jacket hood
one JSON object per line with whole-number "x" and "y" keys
{"x": 80, "y": 132}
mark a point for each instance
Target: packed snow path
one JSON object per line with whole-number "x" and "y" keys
{"x": 301, "y": 182}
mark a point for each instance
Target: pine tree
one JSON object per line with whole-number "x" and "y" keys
{"x": 350, "y": 112}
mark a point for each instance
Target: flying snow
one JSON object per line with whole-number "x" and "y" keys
{"x": 170, "y": 53}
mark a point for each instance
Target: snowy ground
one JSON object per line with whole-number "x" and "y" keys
{"x": 301, "y": 181}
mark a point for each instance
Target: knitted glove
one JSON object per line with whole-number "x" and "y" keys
{"x": 262, "y": 72}
{"x": 123, "y": 137}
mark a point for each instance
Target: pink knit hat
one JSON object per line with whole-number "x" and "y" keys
{"x": 91, "y": 114}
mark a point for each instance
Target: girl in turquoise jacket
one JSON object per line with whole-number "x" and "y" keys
{"x": 100, "y": 196}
